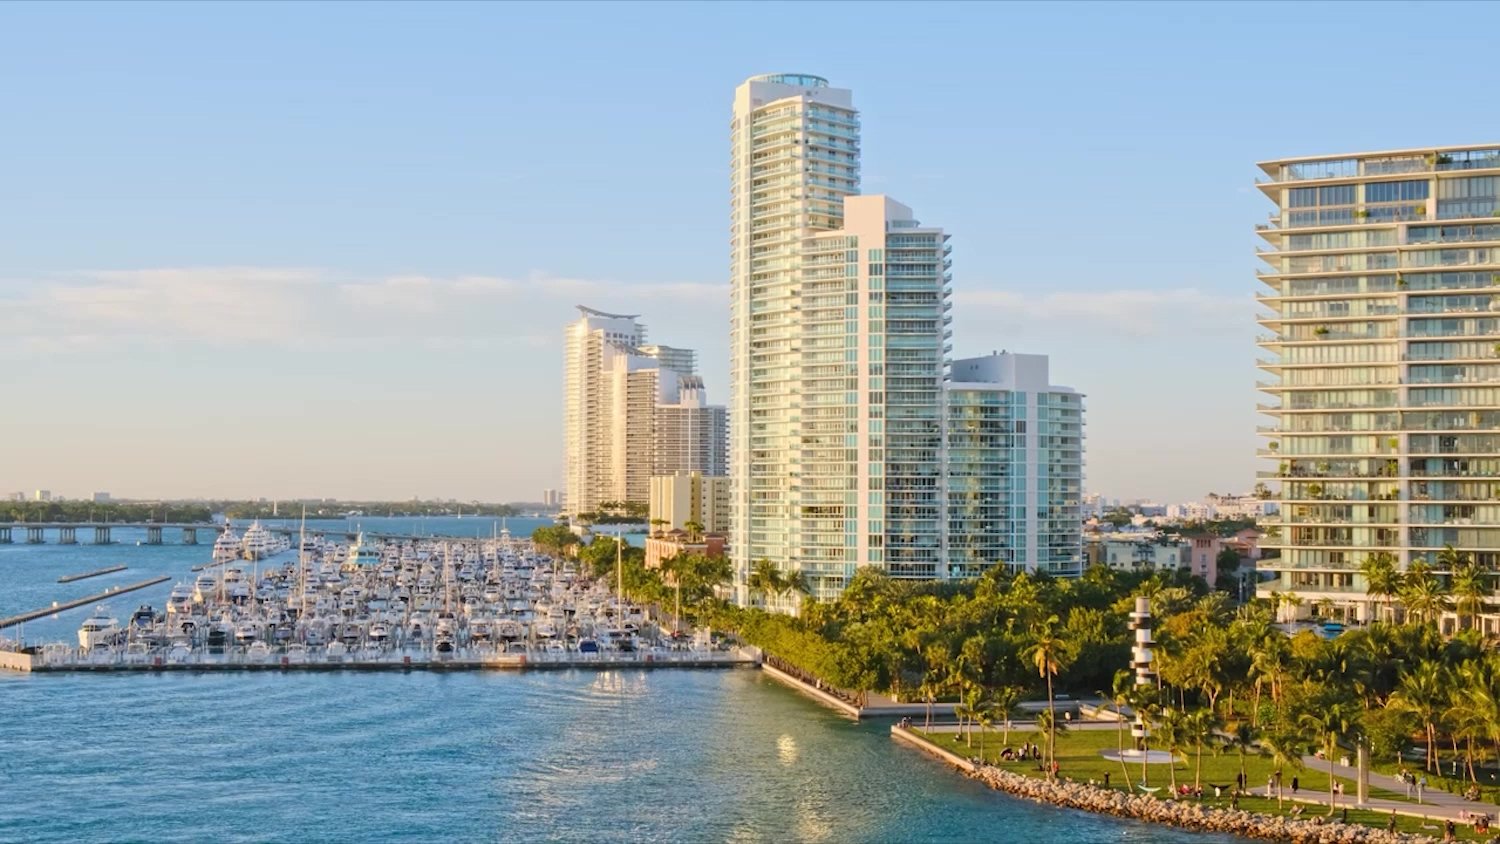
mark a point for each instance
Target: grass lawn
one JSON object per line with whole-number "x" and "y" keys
{"x": 1078, "y": 758}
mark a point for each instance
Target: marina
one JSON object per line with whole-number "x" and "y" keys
{"x": 371, "y": 604}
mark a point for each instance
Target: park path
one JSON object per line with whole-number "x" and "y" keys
{"x": 1435, "y": 804}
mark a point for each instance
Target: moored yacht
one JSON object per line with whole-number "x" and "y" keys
{"x": 258, "y": 543}
{"x": 98, "y": 629}
{"x": 227, "y": 547}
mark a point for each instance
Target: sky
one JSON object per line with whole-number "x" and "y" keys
{"x": 297, "y": 250}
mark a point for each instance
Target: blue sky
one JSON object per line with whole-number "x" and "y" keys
{"x": 297, "y": 249}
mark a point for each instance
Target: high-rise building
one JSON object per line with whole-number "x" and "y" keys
{"x": 690, "y": 432}
{"x": 631, "y": 411}
{"x": 1384, "y": 349}
{"x": 839, "y": 353}
{"x": 1013, "y": 468}
{"x": 101, "y": 498}
{"x": 42, "y": 495}
{"x": 794, "y": 157}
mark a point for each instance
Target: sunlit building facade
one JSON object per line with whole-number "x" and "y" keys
{"x": 631, "y": 411}
{"x": 839, "y": 360}
{"x": 1383, "y": 357}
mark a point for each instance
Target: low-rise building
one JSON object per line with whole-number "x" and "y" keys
{"x": 663, "y": 546}
{"x": 1203, "y": 556}
{"x": 1142, "y": 553}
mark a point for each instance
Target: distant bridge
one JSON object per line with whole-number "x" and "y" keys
{"x": 67, "y": 532}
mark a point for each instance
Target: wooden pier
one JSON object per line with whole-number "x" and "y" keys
{"x": 69, "y": 578}
{"x": 107, "y": 594}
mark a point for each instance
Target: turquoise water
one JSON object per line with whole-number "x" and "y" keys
{"x": 665, "y": 755}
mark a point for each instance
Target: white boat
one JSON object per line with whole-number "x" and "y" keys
{"x": 258, "y": 543}
{"x": 363, "y": 556}
{"x": 227, "y": 547}
{"x": 379, "y": 631}
{"x": 98, "y": 629}
{"x": 180, "y": 601}
{"x": 204, "y": 588}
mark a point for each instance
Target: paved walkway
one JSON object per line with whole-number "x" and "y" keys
{"x": 1436, "y": 804}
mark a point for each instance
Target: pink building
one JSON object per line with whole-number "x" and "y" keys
{"x": 1203, "y": 556}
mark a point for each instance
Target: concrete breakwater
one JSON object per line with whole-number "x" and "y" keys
{"x": 1183, "y": 814}
{"x": 69, "y": 578}
{"x": 74, "y": 604}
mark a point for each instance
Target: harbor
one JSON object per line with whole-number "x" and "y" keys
{"x": 373, "y": 604}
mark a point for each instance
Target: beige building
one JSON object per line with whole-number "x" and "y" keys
{"x": 690, "y": 497}
{"x": 631, "y": 410}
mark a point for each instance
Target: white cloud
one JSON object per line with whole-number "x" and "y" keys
{"x": 299, "y": 306}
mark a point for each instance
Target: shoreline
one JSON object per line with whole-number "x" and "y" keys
{"x": 1147, "y": 809}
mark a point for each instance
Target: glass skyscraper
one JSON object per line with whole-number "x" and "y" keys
{"x": 839, "y": 362}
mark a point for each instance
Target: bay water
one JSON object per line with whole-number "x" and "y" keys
{"x": 633, "y": 755}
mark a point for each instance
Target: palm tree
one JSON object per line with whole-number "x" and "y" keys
{"x": 694, "y": 530}
{"x": 1332, "y": 721}
{"x": 1124, "y": 683}
{"x": 1382, "y": 578}
{"x": 1285, "y": 745}
{"x": 1003, "y": 703}
{"x": 1201, "y": 726}
{"x": 985, "y": 715}
{"x": 1269, "y": 663}
{"x": 1424, "y": 693}
{"x": 796, "y": 581}
{"x": 1470, "y": 586}
{"x": 1048, "y": 653}
{"x": 1172, "y": 733}
{"x": 764, "y": 578}
{"x": 1143, "y": 699}
{"x": 1422, "y": 592}
{"x": 963, "y": 712}
{"x": 1241, "y": 737}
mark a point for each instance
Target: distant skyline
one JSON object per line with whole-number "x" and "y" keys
{"x": 266, "y": 250}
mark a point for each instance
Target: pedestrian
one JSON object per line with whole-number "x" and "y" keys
{"x": 1294, "y": 786}
{"x": 1421, "y": 787}
{"x": 1270, "y": 784}
{"x": 1390, "y": 825}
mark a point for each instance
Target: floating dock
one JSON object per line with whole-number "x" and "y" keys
{"x": 69, "y": 578}
{"x": 84, "y": 601}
